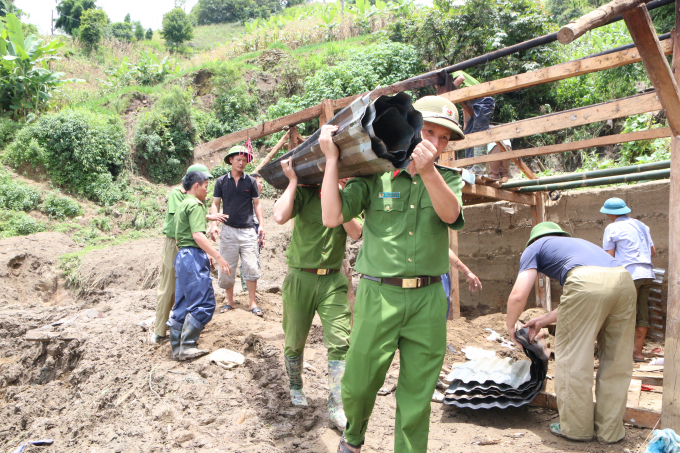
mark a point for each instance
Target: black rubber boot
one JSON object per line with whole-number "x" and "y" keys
{"x": 190, "y": 334}
{"x": 175, "y": 341}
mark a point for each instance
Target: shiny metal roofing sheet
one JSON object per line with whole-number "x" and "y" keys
{"x": 501, "y": 370}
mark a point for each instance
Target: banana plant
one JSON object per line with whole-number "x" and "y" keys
{"x": 252, "y": 25}
{"x": 329, "y": 16}
{"x": 26, "y": 82}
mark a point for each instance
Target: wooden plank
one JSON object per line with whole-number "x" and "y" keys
{"x": 649, "y": 134}
{"x": 327, "y": 111}
{"x": 619, "y": 108}
{"x": 634, "y": 390}
{"x": 542, "y": 284}
{"x": 636, "y": 416}
{"x": 498, "y": 194}
{"x": 671, "y": 395}
{"x": 524, "y": 168}
{"x": 552, "y": 74}
{"x": 282, "y": 141}
{"x": 293, "y": 138}
{"x": 658, "y": 70}
{"x": 594, "y": 19}
{"x": 454, "y": 311}
{"x": 648, "y": 378}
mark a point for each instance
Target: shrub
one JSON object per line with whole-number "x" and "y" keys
{"x": 58, "y": 207}
{"x": 92, "y": 27}
{"x": 17, "y": 196}
{"x": 80, "y": 150}
{"x": 208, "y": 127}
{"x": 149, "y": 34}
{"x": 102, "y": 223}
{"x": 8, "y": 130}
{"x": 122, "y": 31}
{"x": 14, "y": 223}
{"x": 165, "y": 137}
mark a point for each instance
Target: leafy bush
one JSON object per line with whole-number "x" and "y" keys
{"x": 165, "y": 137}
{"x": 58, "y": 207}
{"x": 102, "y": 223}
{"x": 149, "y": 70}
{"x": 122, "y": 31}
{"x": 149, "y": 34}
{"x": 8, "y": 130}
{"x": 17, "y": 196}
{"x": 208, "y": 127}
{"x": 13, "y": 223}
{"x": 93, "y": 25}
{"x": 80, "y": 150}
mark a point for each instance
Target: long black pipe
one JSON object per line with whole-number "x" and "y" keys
{"x": 526, "y": 45}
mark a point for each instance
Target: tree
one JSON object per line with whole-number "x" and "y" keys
{"x": 127, "y": 19}
{"x": 70, "y": 12}
{"x": 93, "y": 23}
{"x": 122, "y": 31}
{"x": 177, "y": 28}
{"x": 223, "y": 11}
{"x": 139, "y": 31}
{"x": 149, "y": 34}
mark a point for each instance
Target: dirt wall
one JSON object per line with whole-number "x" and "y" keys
{"x": 495, "y": 235}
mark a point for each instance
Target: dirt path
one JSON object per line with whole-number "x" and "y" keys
{"x": 94, "y": 384}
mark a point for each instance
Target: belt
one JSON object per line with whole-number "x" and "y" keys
{"x": 320, "y": 271}
{"x": 417, "y": 282}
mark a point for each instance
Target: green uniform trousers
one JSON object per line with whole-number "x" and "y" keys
{"x": 598, "y": 303}
{"x": 165, "y": 297}
{"x": 305, "y": 293}
{"x": 642, "y": 286}
{"x": 386, "y": 318}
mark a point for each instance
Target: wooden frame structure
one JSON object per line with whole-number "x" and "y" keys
{"x": 666, "y": 95}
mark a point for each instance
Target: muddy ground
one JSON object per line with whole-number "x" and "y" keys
{"x": 94, "y": 384}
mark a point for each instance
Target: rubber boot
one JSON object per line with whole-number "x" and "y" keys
{"x": 336, "y": 413}
{"x": 175, "y": 341}
{"x": 640, "y": 334}
{"x": 294, "y": 369}
{"x": 190, "y": 334}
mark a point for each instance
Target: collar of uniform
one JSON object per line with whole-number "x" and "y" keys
{"x": 189, "y": 196}
{"x": 395, "y": 173}
{"x": 622, "y": 218}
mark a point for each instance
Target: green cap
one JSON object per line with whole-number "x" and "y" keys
{"x": 441, "y": 111}
{"x": 544, "y": 229}
{"x": 199, "y": 167}
{"x": 236, "y": 150}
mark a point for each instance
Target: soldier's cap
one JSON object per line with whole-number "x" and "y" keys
{"x": 544, "y": 229}
{"x": 201, "y": 168}
{"x": 441, "y": 111}
{"x": 238, "y": 151}
{"x": 615, "y": 206}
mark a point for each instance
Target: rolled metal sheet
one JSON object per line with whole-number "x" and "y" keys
{"x": 510, "y": 387}
{"x": 373, "y": 137}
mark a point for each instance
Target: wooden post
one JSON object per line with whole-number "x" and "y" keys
{"x": 666, "y": 84}
{"x": 594, "y": 19}
{"x": 542, "y": 285}
{"x": 524, "y": 168}
{"x": 293, "y": 138}
{"x": 326, "y": 111}
{"x": 272, "y": 153}
{"x": 454, "y": 312}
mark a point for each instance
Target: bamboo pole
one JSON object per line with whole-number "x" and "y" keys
{"x": 646, "y": 176}
{"x": 282, "y": 141}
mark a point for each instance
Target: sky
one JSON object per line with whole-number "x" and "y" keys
{"x": 149, "y": 12}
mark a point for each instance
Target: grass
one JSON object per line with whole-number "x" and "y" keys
{"x": 210, "y": 36}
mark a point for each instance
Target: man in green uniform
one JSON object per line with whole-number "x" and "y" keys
{"x": 314, "y": 283}
{"x": 165, "y": 296}
{"x": 400, "y": 302}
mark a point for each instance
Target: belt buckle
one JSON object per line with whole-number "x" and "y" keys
{"x": 321, "y": 271}
{"x": 410, "y": 282}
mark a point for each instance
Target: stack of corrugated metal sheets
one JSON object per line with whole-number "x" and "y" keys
{"x": 499, "y": 382}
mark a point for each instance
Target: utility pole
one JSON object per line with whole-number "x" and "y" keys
{"x": 52, "y": 23}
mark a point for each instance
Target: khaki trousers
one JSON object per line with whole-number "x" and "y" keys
{"x": 598, "y": 303}
{"x": 165, "y": 297}
{"x": 235, "y": 243}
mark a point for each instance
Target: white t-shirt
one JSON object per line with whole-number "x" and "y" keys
{"x": 632, "y": 244}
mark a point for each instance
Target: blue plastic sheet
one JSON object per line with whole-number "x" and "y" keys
{"x": 664, "y": 441}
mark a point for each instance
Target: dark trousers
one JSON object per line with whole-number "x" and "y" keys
{"x": 483, "y": 109}
{"x": 193, "y": 289}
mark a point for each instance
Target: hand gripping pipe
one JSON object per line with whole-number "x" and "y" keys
{"x": 373, "y": 137}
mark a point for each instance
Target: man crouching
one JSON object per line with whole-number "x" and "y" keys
{"x": 194, "y": 295}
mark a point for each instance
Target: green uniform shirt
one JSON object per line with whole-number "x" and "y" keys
{"x": 312, "y": 245}
{"x": 174, "y": 200}
{"x": 403, "y": 235}
{"x": 189, "y": 219}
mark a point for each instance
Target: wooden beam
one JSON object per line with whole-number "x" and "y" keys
{"x": 636, "y": 416}
{"x": 454, "y": 311}
{"x": 327, "y": 111}
{"x": 282, "y": 141}
{"x": 293, "y": 138}
{"x": 594, "y": 19}
{"x": 619, "y": 108}
{"x": 524, "y": 168}
{"x": 648, "y": 378}
{"x": 615, "y": 139}
{"x": 498, "y": 194}
{"x": 552, "y": 74}
{"x": 671, "y": 394}
{"x": 542, "y": 284}
{"x": 659, "y": 72}
{"x": 634, "y": 390}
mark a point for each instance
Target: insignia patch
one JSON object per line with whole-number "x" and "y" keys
{"x": 389, "y": 194}
{"x": 447, "y": 111}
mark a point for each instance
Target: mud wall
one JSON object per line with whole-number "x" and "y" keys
{"x": 495, "y": 235}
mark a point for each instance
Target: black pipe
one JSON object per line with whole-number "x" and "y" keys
{"x": 526, "y": 45}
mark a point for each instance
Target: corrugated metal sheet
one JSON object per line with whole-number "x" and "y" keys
{"x": 373, "y": 137}
{"x": 494, "y": 382}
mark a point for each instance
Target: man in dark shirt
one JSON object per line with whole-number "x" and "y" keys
{"x": 238, "y": 238}
{"x": 597, "y": 304}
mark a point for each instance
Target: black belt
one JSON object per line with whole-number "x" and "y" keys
{"x": 417, "y": 282}
{"x": 320, "y": 271}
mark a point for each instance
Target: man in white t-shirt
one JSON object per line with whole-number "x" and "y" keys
{"x": 629, "y": 241}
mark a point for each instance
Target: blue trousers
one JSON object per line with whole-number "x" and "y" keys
{"x": 193, "y": 289}
{"x": 483, "y": 109}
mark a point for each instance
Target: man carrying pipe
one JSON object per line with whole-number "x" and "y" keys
{"x": 630, "y": 242}
{"x": 314, "y": 284}
{"x": 597, "y": 304}
{"x": 400, "y": 302}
